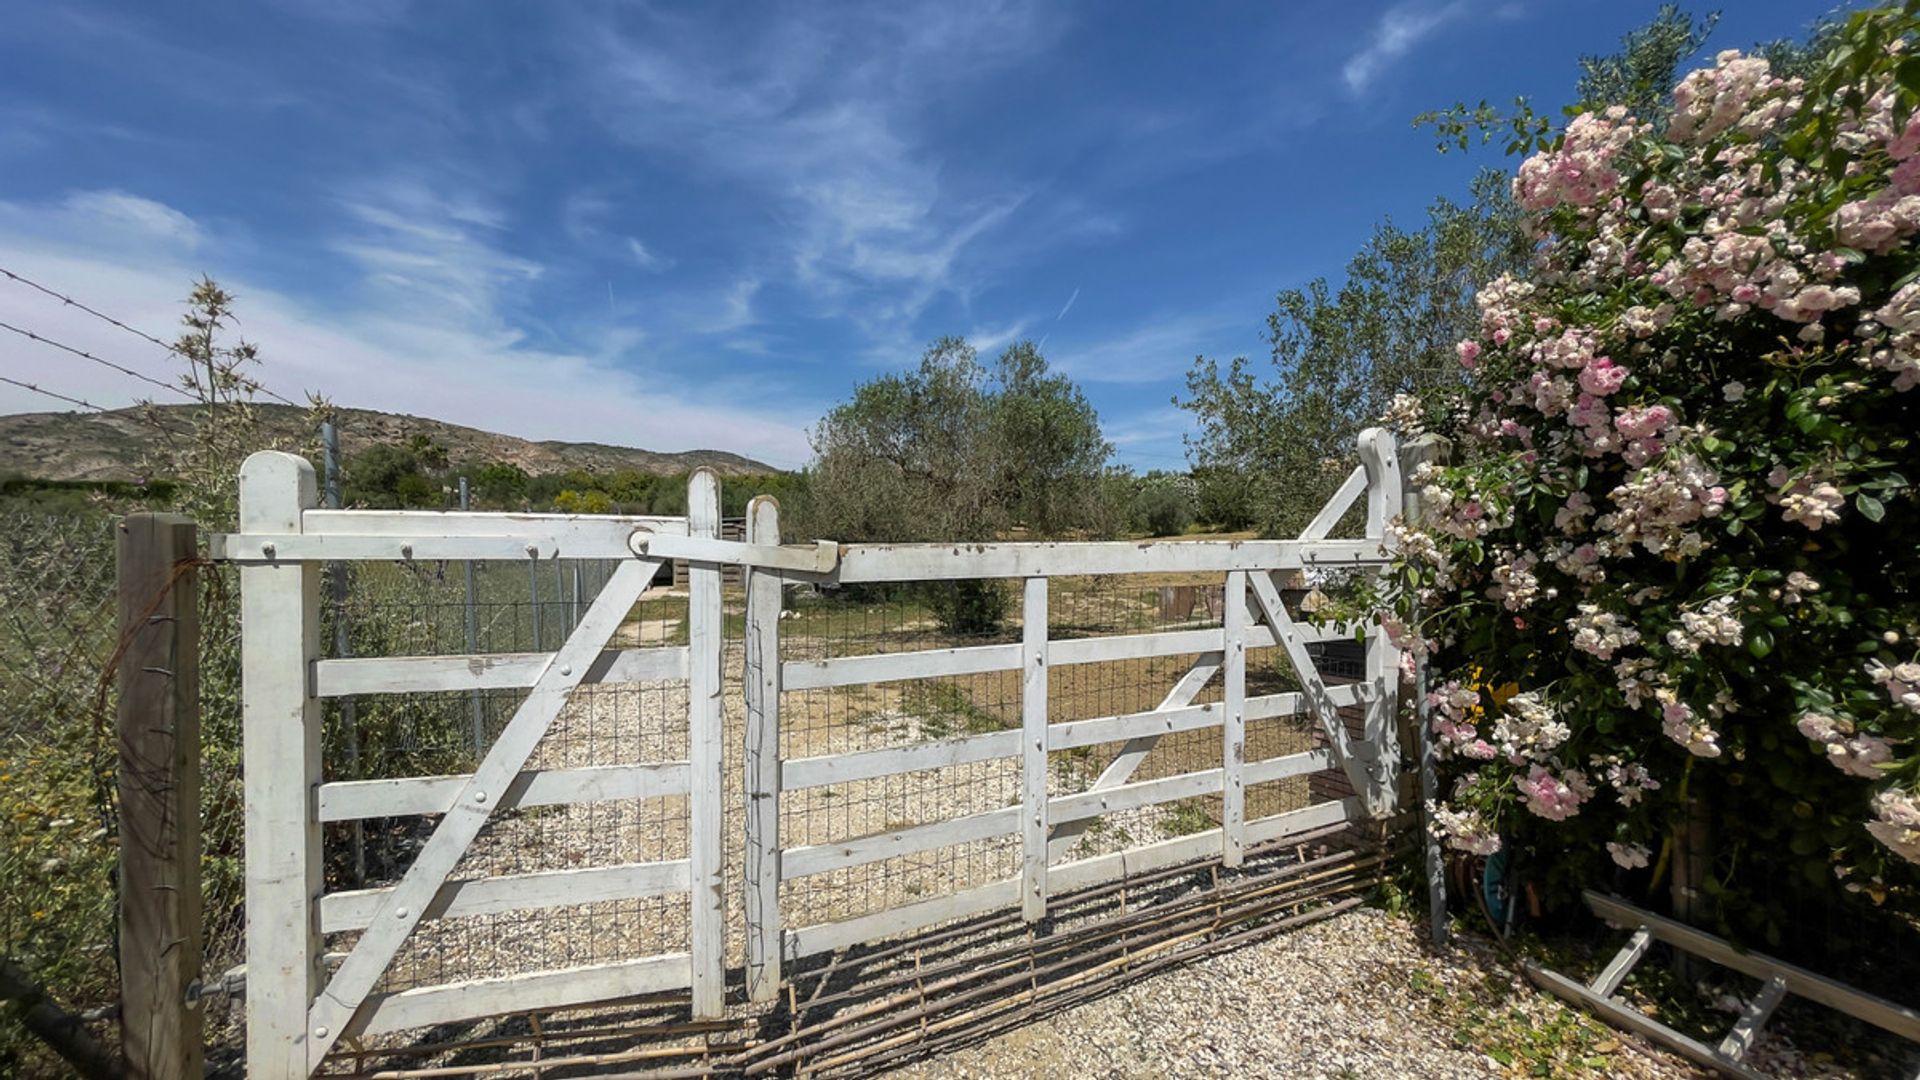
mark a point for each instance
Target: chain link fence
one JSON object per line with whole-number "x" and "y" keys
{"x": 59, "y": 838}
{"x": 58, "y": 844}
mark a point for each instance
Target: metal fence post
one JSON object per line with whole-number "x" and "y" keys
{"x": 762, "y": 686}
{"x": 533, "y": 599}
{"x": 343, "y": 642}
{"x": 474, "y": 701}
{"x": 159, "y": 781}
{"x": 280, "y": 628}
{"x": 575, "y": 599}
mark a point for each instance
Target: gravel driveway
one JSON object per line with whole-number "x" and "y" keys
{"x": 1348, "y": 997}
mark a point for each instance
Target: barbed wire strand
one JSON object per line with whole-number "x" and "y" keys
{"x": 172, "y": 433}
{"x": 85, "y": 355}
{"x": 136, "y": 332}
{"x": 52, "y": 394}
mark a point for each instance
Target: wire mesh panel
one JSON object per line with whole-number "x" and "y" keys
{"x": 501, "y": 814}
{"x": 57, "y": 838}
{"x": 826, "y": 721}
{"x": 422, "y": 610}
{"x": 905, "y": 778}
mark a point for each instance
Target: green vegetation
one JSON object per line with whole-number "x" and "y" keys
{"x": 1187, "y": 817}
{"x": 1273, "y": 446}
{"x": 955, "y": 451}
{"x": 946, "y": 710}
{"x": 420, "y": 475}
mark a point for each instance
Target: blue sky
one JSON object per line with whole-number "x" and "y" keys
{"x": 700, "y": 225}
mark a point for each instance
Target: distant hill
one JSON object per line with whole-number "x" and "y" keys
{"x": 109, "y": 446}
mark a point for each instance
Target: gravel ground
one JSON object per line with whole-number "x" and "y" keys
{"x": 1334, "y": 999}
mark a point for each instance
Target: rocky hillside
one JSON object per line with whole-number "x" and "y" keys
{"x": 110, "y": 445}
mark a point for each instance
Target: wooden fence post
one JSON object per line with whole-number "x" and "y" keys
{"x": 159, "y": 778}
{"x": 1033, "y": 751}
{"x": 762, "y": 686}
{"x": 1381, "y": 460}
{"x": 1233, "y": 788}
{"x": 1426, "y": 450}
{"x": 280, "y": 737}
{"x": 705, "y": 721}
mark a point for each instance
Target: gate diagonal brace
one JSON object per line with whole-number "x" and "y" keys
{"x": 343, "y": 1003}
{"x": 822, "y": 557}
{"x": 1360, "y": 758}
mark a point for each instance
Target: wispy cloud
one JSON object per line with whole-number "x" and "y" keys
{"x": 822, "y": 116}
{"x": 119, "y": 210}
{"x": 451, "y": 354}
{"x": 990, "y": 341}
{"x": 644, "y": 258}
{"x": 589, "y": 219}
{"x": 1156, "y": 351}
{"x": 1068, "y": 306}
{"x": 1398, "y": 31}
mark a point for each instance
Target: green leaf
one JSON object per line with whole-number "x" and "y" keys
{"x": 1870, "y": 508}
{"x": 1908, "y": 74}
{"x": 1760, "y": 643}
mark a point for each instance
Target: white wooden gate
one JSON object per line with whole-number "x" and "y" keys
{"x": 300, "y": 1004}
{"x": 1046, "y": 825}
{"x": 302, "y": 1001}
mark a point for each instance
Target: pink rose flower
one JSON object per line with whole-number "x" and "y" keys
{"x": 1602, "y": 377}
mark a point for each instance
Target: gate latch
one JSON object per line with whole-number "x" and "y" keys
{"x": 817, "y": 558}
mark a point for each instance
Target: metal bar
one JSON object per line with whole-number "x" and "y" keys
{"x": 1621, "y": 1016}
{"x": 1623, "y": 962}
{"x": 533, "y": 600}
{"x": 1815, "y": 987}
{"x": 475, "y": 703}
{"x": 349, "y": 709}
{"x": 817, "y": 558}
{"x": 1747, "y": 1028}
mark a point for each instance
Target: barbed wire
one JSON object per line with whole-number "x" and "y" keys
{"x": 85, "y": 355}
{"x": 44, "y": 392}
{"x": 136, "y": 332}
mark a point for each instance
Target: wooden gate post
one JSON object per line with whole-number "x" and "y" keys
{"x": 280, "y": 740}
{"x": 762, "y": 685}
{"x": 1233, "y": 721}
{"x": 706, "y": 719}
{"x": 159, "y": 779}
{"x": 1426, "y": 450}
{"x": 1033, "y": 750}
{"x": 1381, "y": 460}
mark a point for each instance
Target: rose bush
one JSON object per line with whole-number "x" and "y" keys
{"x": 1681, "y": 517}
